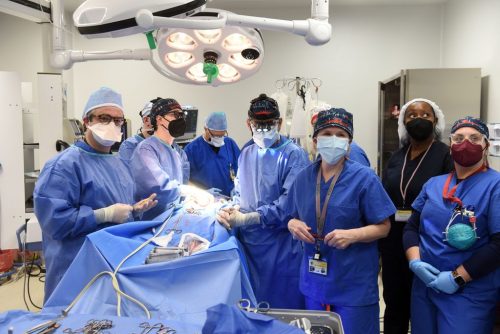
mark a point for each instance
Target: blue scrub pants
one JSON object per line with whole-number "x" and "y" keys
{"x": 355, "y": 319}
{"x": 460, "y": 313}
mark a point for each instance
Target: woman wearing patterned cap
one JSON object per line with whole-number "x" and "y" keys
{"x": 340, "y": 210}
{"x": 422, "y": 156}
{"x": 454, "y": 234}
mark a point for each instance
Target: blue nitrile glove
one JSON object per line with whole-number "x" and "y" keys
{"x": 214, "y": 191}
{"x": 424, "y": 271}
{"x": 444, "y": 283}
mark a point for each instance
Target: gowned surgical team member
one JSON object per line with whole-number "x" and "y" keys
{"x": 340, "y": 209}
{"x": 266, "y": 170}
{"x": 156, "y": 165}
{"x": 85, "y": 188}
{"x": 422, "y": 156}
{"x": 452, "y": 240}
{"x": 213, "y": 157}
{"x": 128, "y": 146}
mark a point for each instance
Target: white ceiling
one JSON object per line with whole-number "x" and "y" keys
{"x": 71, "y": 5}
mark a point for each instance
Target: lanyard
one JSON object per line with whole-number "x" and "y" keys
{"x": 321, "y": 212}
{"x": 403, "y": 192}
{"x": 449, "y": 195}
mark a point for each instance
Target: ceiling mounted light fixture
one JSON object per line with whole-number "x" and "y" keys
{"x": 187, "y": 42}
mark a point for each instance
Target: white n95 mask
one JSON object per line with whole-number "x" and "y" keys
{"x": 332, "y": 148}
{"x": 216, "y": 141}
{"x": 106, "y": 134}
{"x": 265, "y": 139}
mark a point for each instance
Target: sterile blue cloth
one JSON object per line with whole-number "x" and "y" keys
{"x": 22, "y": 321}
{"x": 157, "y": 167}
{"x": 178, "y": 290}
{"x": 264, "y": 177}
{"x": 211, "y": 169}
{"x": 71, "y": 186}
{"x": 482, "y": 192}
{"x": 225, "y": 319}
{"x": 357, "y": 200}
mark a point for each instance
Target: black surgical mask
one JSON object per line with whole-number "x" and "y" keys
{"x": 419, "y": 128}
{"x": 177, "y": 127}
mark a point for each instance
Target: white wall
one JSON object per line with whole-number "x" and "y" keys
{"x": 21, "y": 48}
{"x": 369, "y": 44}
{"x": 471, "y": 39}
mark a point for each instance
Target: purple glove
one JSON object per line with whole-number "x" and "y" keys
{"x": 444, "y": 283}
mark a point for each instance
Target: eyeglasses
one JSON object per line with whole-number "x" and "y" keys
{"x": 263, "y": 126}
{"x": 214, "y": 136}
{"x": 474, "y": 138}
{"x": 177, "y": 115}
{"x": 106, "y": 119}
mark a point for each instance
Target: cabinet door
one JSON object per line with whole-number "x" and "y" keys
{"x": 11, "y": 159}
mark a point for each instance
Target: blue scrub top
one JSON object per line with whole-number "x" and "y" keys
{"x": 211, "y": 169}
{"x": 128, "y": 146}
{"x": 482, "y": 191}
{"x": 157, "y": 168}
{"x": 358, "y": 199}
{"x": 71, "y": 186}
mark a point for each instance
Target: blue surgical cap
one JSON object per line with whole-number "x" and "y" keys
{"x": 103, "y": 97}
{"x": 216, "y": 121}
{"x": 146, "y": 110}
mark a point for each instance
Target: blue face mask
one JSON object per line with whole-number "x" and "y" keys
{"x": 265, "y": 139}
{"x": 332, "y": 148}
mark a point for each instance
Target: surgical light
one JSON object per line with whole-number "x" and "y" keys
{"x": 187, "y": 42}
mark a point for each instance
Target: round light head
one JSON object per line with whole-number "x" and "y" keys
{"x": 239, "y": 50}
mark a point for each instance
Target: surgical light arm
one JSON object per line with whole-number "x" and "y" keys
{"x": 316, "y": 31}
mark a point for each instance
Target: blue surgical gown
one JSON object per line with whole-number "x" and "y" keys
{"x": 71, "y": 186}
{"x": 358, "y": 200}
{"x": 263, "y": 179}
{"x": 157, "y": 168}
{"x": 128, "y": 147}
{"x": 358, "y": 154}
{"x": 211, "y": 169}
{"x": 468, "y": 310}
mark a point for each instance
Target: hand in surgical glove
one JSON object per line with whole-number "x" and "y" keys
{"x": 341, "y": 239}
{"x": 300, "y": 231}
{"x": 116, "y": 213}
{"x": 231, "y": 217}
{"x": 444, "y": 283}
{"x": 145, "y": 204}
{"x": 424, "y": 271}
{"x": 214, "y": 191}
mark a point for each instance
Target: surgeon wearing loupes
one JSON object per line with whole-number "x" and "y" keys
{"x": 340, "y": 209}
{"x": 452, "y": 240}
{"x": 266, "y": 170}
{"x": 156, "y": 164}
{"x": 213, "y": 156}
{"x": 85, "y": 188}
